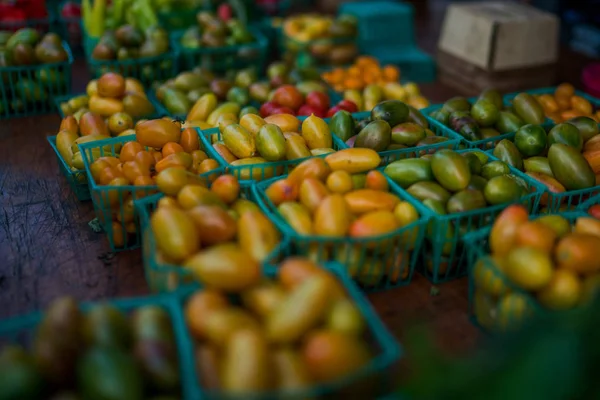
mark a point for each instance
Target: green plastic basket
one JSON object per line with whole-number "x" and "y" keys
{"x": 376, "y": 263}
{"x": 390, "y": 156}
{"x": 20, "y": 330}
{"x": 592, "y": 201}
{"x": 163, "y": 277}
{"x": 373, "y": 380}
{"x": 444, "y": 254}
{"x": 112, "y": 202}
{"x": 495, "y": 303}
{"x": 20, "y": 84}
{"x": 254, "y": 172}
{"x": 226, "y": 58}
{"x": 147, "y": 69}
{"x": 158, "y": 110}
{"x": 76, "y": 179}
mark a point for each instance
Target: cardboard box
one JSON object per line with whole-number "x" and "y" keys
{"x": 500, "y": 36}
{"x": 470, "y": 80}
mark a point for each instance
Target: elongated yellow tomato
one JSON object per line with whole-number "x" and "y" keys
{"x": 291, "y": 371}
{"x": 332, "y": 217}
{"x": 177, "y": 160}
{"x": 171, "y": 180}
{"x": 246, "y": 365}
{"x": 257, "y": 235}
{"x": 504, "y": 230}
{"x": 366, "y": 200}
{"x": 221, "y": 324}
{"x": 297, "y": 215}
{"x": 354, "y": 161}
{"x": 311, "y": 168}
{"x": 226, "y": 267}
{"x": 157, "y": 132}
{"x": 252, "y": 123}
{"x": 205, "y": 105}
{"x": 316, "y": 133}
{"x": 191, "y": 196}
{"x": 286, "y": 122}
{"x": 175, "y": 233}
{"x": 312, "y": 193}
{"x": 374, "y": 223}
{"x": 303, "y": 308}
{"x": 263, "y": 298}
{"x": 64, "y": 141}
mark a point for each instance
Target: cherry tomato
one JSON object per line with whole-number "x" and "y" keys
{"x": 594, "y": 211}
{"x": 348, "y": 106}
{"x": 288, "y": 96}
{"x": 267, "y": 108}
{"x": 282, "y": 110}
{"x": 318, "y": 100}
{"x": 308, "y": 110}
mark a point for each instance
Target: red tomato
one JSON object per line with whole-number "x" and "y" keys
{"x": 225, "y": 12}
{"x": 267, "y": 108}
{"x": 71, "y": 9}
{"x": 288, "y": 96}
{"x": 348, "y": 106}
{"x": 318, "y": 100}
{"x": 333, "y": 110}
{"x": 595, "y": 211}
{"x": 283, "y": 110}
{"x": 307, "y": 110}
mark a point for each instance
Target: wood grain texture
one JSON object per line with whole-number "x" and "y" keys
{"x": 48, "y": 250}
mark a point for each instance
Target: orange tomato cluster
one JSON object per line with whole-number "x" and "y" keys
{"x": 548, "y": 259}
{"x": 365, "y": 71}
{"x": 288, "y": 333}
{"x": 160, "y": 145}
{"x": 564, "y": 105}
{"x": 329, "y": 198}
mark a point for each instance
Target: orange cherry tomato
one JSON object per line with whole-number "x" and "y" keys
{"x": 129, "y": 150}
{"x": 207, "y": 165}
{"x": 171, "y": 148}
{"x": 189, "y": 140}
{"x": 145, "y": 159}
{"x": 133, "y": 169}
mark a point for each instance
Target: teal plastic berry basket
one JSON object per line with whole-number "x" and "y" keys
{"x": 114, "y": 204}
{"x": 41, "y": 25}
{"x": 147, "y": 69}
{"x": 76, "y": 178}
{"x": 373, "y": 380}
{"x": 390, "y": 156}
{"x": 64, "y": 108}
{"x": 495, "y": 303}
{"x": 253, "y": 172}
{"x": 29, "y": 90}
{"x": 444, "y": 255}
{"x": 160, "y": 275}
{"x": 592, "y": 201}
{"x": 225, "y": 58}
{"x": 20, "y": 330}
{"x": 376, "y": 263}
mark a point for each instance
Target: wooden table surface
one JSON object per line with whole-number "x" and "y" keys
{"x": 47, "y": 248}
